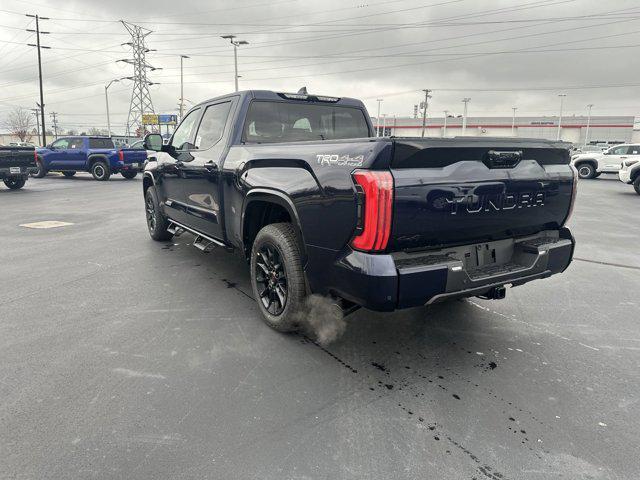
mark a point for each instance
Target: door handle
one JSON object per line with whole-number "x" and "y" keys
{"x": 212, "y": 167}
{"x": 623, "y": 157}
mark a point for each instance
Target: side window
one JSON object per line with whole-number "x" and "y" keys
{"x": 634, "y": 150}
{"x": 76, "y": 143}
{"x": 212, "y": 125}
{"x": 62, "y": 143}
{"x": 184, "y": 133}
{"x": 619, "y": 151}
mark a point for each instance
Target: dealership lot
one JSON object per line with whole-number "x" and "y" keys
{"x": 121, "y": 357}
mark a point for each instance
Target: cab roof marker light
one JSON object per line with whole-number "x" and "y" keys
{"x": 328, "y": 99}
{"x": 295, "y": 96}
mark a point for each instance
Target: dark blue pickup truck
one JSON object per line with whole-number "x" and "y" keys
{"x": 298, "y": 185}
{"x": 97, "y": 155}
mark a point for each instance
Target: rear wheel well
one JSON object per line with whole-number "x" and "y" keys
{"x": 258, "y": 214}
{"x": 97, "y": 158}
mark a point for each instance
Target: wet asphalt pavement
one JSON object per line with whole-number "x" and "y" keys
{"x": 123, "y": 358}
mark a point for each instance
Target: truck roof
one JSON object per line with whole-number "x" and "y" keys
{"x": 271, "y": 95}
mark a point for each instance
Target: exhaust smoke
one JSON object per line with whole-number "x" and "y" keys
{"x": 322, "y": 318}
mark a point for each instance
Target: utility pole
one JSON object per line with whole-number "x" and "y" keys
{"x": 38, "y": 32}
{"x": 55, "y": 123}
{"x": 513, "y": 122}
{"x": 384, "y": 124}
{"x": 182, "y": 57}
{"x": 379, "y": 100}
{"x": 561, "y": 95}
{"x": 140, "y": 97}
{"x": 465, "y": 100}
{"x": 36, "y": 113}
{"x": 424, "y": 110}
{"x": 236, "y": 44}
{"x": 444, "y": 128}
{"x": 586, "y": 133}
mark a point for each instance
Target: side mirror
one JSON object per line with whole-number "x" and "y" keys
{"x": 153, "y": 141}
{"x": 606, "y": 152}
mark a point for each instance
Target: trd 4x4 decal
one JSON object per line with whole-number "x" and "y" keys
{"x": 340, "y": 160}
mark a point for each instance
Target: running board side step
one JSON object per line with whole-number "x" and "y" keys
{"x": 202, "y": 242}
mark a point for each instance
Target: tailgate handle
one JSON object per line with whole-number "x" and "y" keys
{"x": 503, "y": 158}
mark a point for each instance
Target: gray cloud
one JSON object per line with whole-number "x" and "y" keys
{"x": 380, "y": 49}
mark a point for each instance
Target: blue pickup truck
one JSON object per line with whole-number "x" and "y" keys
{"x": 97, "y": 155}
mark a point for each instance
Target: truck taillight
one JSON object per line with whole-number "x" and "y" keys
{"x": 574, "y": 193}
{"x": 121, "y": 155}
{"x": 35, "y": 155}
{"x": 375, "y": 205}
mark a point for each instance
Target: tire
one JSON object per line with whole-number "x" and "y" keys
{"x": 129, "y": 175}
{"x": 586, "y": 170}
{"x": 41, "y": 170}
{"x": 277, "y": 278}
{"x": 100, "y": 171}
{"x": 636, "y": 184}
{"x": 68, "y": 174}
{"x": 15, "y": 183}
{"x": 156, "y": 222}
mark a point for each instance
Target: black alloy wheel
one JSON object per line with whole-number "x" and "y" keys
{"x": 271, "y": 279}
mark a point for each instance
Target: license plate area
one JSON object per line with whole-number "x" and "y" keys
{"x": 14, "y": 170}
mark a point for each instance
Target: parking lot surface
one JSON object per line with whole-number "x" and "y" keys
{"x": 121, "y": 357}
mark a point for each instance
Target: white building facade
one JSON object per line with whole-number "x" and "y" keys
{"x": 602, "y": 129}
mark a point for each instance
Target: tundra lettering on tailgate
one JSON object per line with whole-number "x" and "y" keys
{"x": 472, "y": 203}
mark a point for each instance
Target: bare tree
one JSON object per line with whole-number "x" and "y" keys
{"x": 97, "y": 131}
{"x": 20, "y": 123}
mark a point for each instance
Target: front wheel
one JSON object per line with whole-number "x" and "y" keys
{"x": 156, "y": 221}
{"x": 15, "y": 183}
{"x": 586, "y": 170}
{"x": 636, "y": 185}
{"x": 276, "y": 276}
{"x": 100, "y": 171}
{"x": 129, "y": 175}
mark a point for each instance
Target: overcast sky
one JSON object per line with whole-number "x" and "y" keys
{"x": 501, "y": 54}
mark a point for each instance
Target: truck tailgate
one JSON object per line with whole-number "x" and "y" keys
{"x": 17, "y": 157}
{"x": 467, "y": 190}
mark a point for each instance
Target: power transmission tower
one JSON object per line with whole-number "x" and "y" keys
{"x": 140, "y": 97}
{"x": 37, "y": 44}
{"x": 54, "y": 116}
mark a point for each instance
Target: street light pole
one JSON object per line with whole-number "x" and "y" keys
{"x": 236, "y": 44}
{"x": 182, "y": 57}
{"x": 444, "y": 128}
{"x": 106, "y": 99}
{"x": 513, "y": 122}
{"x": 561, "y": 95}
{"x": 586, "y": 133}
{"x": 465, "y": 100}
{"x": 424, "y": 110}
{"x": 379, "y": 100}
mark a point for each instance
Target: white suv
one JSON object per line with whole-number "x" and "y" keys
{"x": 591, "y": 165}
{"x": 630, "y": 173}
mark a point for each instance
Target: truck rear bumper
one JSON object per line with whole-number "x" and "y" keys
{"x": 390, "y": 282}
